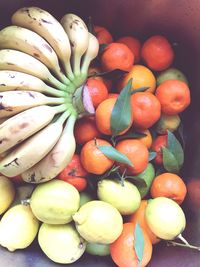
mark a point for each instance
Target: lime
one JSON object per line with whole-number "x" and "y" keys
{"x": 124, "y": 197}
{"x": 168, "y": 122}
{"x": 171, "y": 74}
{"x": 98, "y": 249}
{"x": 98, "y": 222}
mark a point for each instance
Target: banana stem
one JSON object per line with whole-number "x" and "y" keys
{"x": 63, "y": 78}
{"x": 57, "y": 83}
{"x": 176, "y": 244}
{"x": 61, "y": 108}
{"x": 68, "y": 70}
{"x": 52, "y": 91}
{"x": 69, "y": 127}
{"x": 63, "y": 117}
{"x": 76, "y": 62}
{"x": 85, "y": 66}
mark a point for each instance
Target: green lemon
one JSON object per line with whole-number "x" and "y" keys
{"x": 84, "y": 198}
{"x": 18, "y": 228}
{"x": 7, "y": 193}
{"x": 147, "y": 175}
{"x": 168, "y": 122}
{"x": 98, "y": 249}
{"x": 165, "y": 218}
{"x": 126, "y": 198}
{"x": 171, "y": 74}
{"x": 98, "y": 222}
{"x": 55, "y": 202}
{"x": 23, "y": 193}
{"x": 61, "y": 243}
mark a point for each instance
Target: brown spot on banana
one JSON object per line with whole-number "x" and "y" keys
{"x": 36, "y": 55}
{"x": 46, "y": 21}
{"x": 47, "y": 47}
{"x": 13, "y": 161}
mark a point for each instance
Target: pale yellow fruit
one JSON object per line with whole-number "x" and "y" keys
{"x": 124, "y": 197}
{"x": 165, "y": 218}
{"x": 55, "y": 202}
{"x": 61, "y": 243}
{"x": 98, "y": 222}
{"x": 7, "y": 193}
{"x": 18, "y": 228}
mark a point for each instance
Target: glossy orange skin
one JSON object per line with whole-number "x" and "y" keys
{"x": 169, "y": 185}
{"x": 157, "y": 53}
{"x": 174, "y": 96}
{"x": 122, "y": 250}
{"x": 117, "y": 56}
{"x": 136, "y": 152}
{"x": 103, "y": 35}
{"x": 146, "y": 110}
{"x": 92, "y": 159}
{"x": 158, "y": 143}
{"x": 134, "y": 44}
{"x": 74, "y": 174}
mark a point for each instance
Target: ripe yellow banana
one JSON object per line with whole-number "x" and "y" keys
{"x": 57, "y": 159}
{"x": 43, "y": 23}
{"x": 13, "y": 102}
{"x": 15, "y": 80}
{"x": 21, "y": 126}
{"x": 90, "y": 54}
{"x": 78, "y": 35}
{"x": 19, "y": 61}
{"x": 33, "y": 149}
{"x": 29, "y": 42}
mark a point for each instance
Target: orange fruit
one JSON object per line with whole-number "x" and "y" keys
{"x": 157, "y": 53}
{"x": 146, "y": 140}
{"x": 85, "y": 130}
{"x": 92, "y": 159}
{"x": 97, "y": 90}
{"x": 103, "y": 116}
{"x": 136, "y": 152}
{"x": 139, "y": 217}
{"x": 169, "y": 185}
{"x": 103, "y": 35}
{"x": 134, "y": 45}
{"x": 146, "y": 109}
{"x": 123, "y": 252}
{"x": 174, "y": 96}
{"x": 142, "y": 77}
{"x": 159, "y": 142}
{"x": 74, "y": 174}
{"x": 117, "y": 56}
{"x": 113, "y": 95}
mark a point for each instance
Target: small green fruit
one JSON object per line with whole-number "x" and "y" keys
{"x": 168, "y": 122}
{"x": 18, "y": 228}
{"x": 61, "y": 243}
{"x": 171, "y": 74}
{"x": 98, "y": 249}
{"x": 98, "y": 222}
{"x": 126, "y": 198}
{"x": 7, "y": 193}
{"x": 23, "y": 193}
{"x": 165, "y": 218}
{"x": 84, "y": 198}
{"x": 55, "y": 202}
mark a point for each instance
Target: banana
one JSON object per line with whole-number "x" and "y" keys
{"x": 29, "y": 42}
{"x": 14, "y": 80}
{"x": 19, "y": 61}
{"x": 90, "y": 54}
{"x": 33, "y": 149}
{"x": 21, "y": 126}
{"x": 43, "y": 23}
{"x": 57, "y": 159}
{"x": 13, "y": 102}
{"x": 78, "y": 35}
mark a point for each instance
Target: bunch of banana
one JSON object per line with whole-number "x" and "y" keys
{"x": 43, "y": 65}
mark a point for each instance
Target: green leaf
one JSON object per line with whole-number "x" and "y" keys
{"x": 114, "y": 154}
{"x": 169, "y": 161}
{"x": 139, "y": 243}
{"x": 112, "y": 74}
{"x": 141, "y": 89}
{"x": 121, "y": 113}
{"x": 130, "y": 135}
{"x": 138, "y": 180}
{"x": 175, "y": 148}
{"x": 181, "y": 135}
{"x": 152, "y": 155}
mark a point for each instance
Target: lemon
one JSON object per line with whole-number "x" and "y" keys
{"x": 126, "y": 198}
{"x": 165, "y": 218}
{"x": 18, "y": 228}
{"x": 7, "y": 193}
{"x": 55, "y": 202}
{"x": 98, "y": 249}
{"x": 61, "y": 243}
{"x": 98, "y": 222}
{"x": 168, "y": 122}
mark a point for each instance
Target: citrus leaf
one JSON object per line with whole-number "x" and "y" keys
{"x": 114, "y": 154}
{"x": 152, "y": 155}
{"x": 121, "y": 113}
{"x": 169, "y": 161}
{"x": 175, "y": 148}
{"x": 130, "y": 135}
{"x": 181, "y": 135}
{"x": 112, "y": 74}
{"x": 138, "y": 180}
{"x": 139, "y": 243}
{"x": 141, "y": 89}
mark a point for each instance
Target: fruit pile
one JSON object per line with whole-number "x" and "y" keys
{"x": 91, "y": 140}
